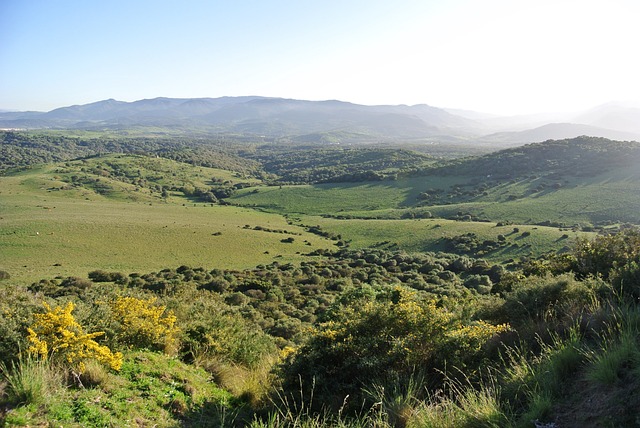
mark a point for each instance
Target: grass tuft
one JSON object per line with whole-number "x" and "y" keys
{"x": 30, "y": 381}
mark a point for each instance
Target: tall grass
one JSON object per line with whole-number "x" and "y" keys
{"x": 251, "y": 384}
{"x": 618, "y": 351}
{"x": 532, "y": 381}
{"x": 397, "y": 401}
{"x": 463, "y": 406}
{"x": 30, "y": 380}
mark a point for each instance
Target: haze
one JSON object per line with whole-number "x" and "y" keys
{"x": 495, "y": 56}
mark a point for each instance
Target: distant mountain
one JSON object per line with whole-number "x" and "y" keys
{"x": 331, "y": 121}
{"x": 559, "y": 131}
{"x": 272, "y": 117}
{"x": 619, "y": 116}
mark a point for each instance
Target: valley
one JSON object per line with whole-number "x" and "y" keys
{"x": 283, "y": 272}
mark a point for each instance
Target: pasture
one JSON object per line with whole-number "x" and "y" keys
{"x": 46, "y": 233}
{"x": 608, "y": 198}
{"x": 434, "y": 234}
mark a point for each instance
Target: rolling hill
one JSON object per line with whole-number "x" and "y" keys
{"x": 576, "y": 182}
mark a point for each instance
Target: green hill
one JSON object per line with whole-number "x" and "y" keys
{"x": 579, "y": 182}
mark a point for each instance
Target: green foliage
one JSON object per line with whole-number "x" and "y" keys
{"x": 601, "y": 255}
{"x": 584, "y": 156}
{"x": 358, "y": 321}
{"x": 312, "y": 165}
{"x": 211, "y": 330}
{"x": 382, "y": 340}
{"x": 535, "y": 299}
{"x": 16, "y": 315}
{"x": 20, "y": 149}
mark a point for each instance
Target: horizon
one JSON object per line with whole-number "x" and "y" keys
{"x": 450, "y": 109}
{"x": 626, "y": 103}
{"x": 495, "y": 57}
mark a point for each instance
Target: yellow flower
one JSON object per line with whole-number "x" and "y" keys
{"x": 56, "y": 334}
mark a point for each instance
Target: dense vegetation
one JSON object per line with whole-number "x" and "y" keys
{"x": 312, "y": 165}
{"x": 388, "y": 329}
{"x": 411, "y": 293}
{"x": 583, "y": 156}
{"x": 19, "y": 149}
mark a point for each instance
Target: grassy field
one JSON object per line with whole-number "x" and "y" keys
{"x": 46, "y": 233}
{"x": 433, "y": 234}
{"x": 113, "y": 216}
{"x": 340, "y": 197}
{"x": 610, "y": 197}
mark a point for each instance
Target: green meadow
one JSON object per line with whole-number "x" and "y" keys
{"x": 47, "y": 233}
{"x": 606, "y": 198}
{"x": 135, "y": 213}
{"x": 338, "y": 198}
{"x": 433, "y": 234}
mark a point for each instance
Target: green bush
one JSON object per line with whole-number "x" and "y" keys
{"x": 16, "y": 315}
{"x": 381, "y": 340}
{"x": 598, "y": 257}
{"x": 534, "y": 299}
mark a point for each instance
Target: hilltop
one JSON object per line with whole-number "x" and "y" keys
{"x": 581, "y": 181}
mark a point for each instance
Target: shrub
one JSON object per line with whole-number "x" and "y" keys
{"x": 380, "y": 340}
{"x": 143, "y": 324}
{"x": 103, "y": 276}
{"x": 545, "y": 298}
{"x": 16, "y": 315}
{"x": 57, "y": 335}
{"x": 606, "y": 252}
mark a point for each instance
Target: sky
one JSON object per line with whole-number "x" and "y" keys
{"x": 495, "y": 56}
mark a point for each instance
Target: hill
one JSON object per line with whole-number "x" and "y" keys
{"x": 582, "y": 181}
{"x": 582, "y": 156}
{"x": 21, "y": 149}
{"x": 615, "y": 115}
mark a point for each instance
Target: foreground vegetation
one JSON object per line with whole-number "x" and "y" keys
{"x": 364, "y": 338}
{"x": 149, "y": 282}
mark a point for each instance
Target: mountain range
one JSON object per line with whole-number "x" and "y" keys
{"x": 330, "y": 121}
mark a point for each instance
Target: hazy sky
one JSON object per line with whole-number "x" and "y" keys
{"x": 497, "y": 56}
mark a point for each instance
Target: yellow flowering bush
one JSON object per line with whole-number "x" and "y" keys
{"x": 56, "y": 334}
{"x": 142, "y": 323}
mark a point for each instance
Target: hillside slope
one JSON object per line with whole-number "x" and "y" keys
{"x": 581, "y": 181}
